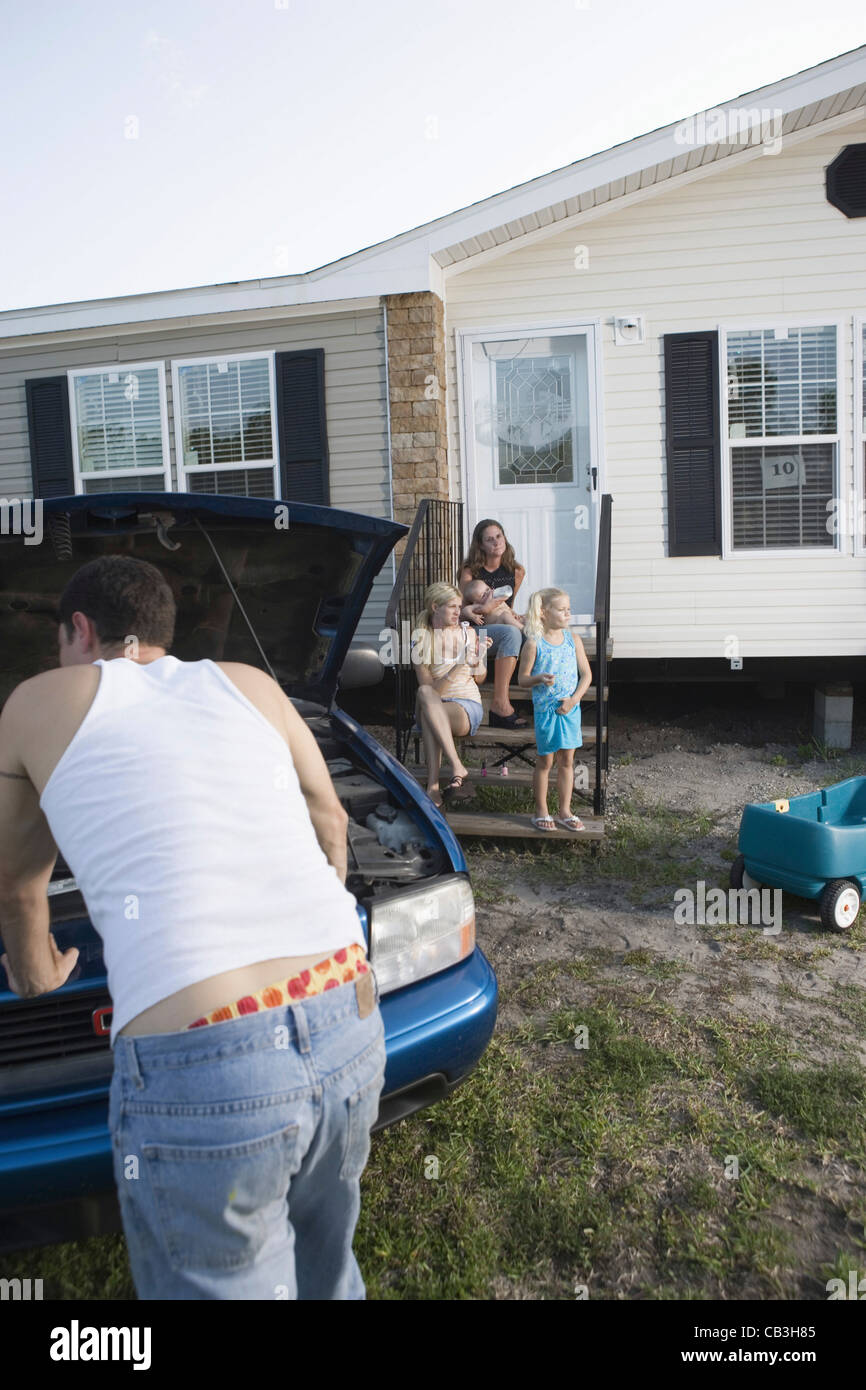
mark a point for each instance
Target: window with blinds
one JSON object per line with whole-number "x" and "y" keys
{"x": 782, "y": 436}
{"x": 119, "y": 431}
{"x": 225, "y": 423}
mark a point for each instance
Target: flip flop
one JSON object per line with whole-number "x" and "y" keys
{"x": 570, "y": 823}
{"x": 543, "y": 823}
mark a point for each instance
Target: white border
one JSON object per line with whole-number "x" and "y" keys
{"x": 591, "y": 328}
{"x": 274, "y": 465}
{"x": 121, "y": 369}
{"x": 771, "y": 322}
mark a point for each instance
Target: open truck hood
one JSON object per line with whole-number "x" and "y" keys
{"x": 302, "y": 586}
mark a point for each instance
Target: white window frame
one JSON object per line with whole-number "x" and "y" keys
{"x": 776, "y": 552}
{"x": 120, "y": 369}
{"x": 859, "y": 436}
{"x": 210, "y": 358}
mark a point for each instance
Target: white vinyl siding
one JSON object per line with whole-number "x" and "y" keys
{"x": 355, "y": 399}
{"x": 858, "y": 524}
{"x": 758, "y": 245}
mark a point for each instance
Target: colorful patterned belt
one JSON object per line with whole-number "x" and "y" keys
{"x": 344, "y": 965}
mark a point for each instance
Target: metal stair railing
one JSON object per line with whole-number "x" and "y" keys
{"x": 601, "y": 614}
{"x": 434, "y": 551}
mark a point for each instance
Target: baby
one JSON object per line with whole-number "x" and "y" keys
{"x": 475, "y": 595}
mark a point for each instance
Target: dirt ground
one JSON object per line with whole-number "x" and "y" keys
{"x": 694, "y": 758}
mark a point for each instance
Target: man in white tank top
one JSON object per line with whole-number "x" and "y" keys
{"x": 196, "y": 812}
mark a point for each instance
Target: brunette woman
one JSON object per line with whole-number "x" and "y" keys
{"x": 492, "y": 560}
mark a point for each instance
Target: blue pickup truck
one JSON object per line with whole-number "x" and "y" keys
{"x": 280, "y": 586}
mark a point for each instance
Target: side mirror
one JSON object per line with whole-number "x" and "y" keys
{"x": 362, "y": 667}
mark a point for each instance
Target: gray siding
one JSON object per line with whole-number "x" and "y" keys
{"x": 355, "y": 400}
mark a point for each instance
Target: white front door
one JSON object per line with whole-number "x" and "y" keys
{"x": 530, "y": 436}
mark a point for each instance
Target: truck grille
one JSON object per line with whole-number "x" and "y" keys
{"x": 36, "y": 1030}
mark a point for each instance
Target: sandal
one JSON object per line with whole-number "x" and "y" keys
{"x": 453, "y": 790}
{"x": 543, "y": 823}
{"x": 508, "y": 721}
{"x": 570, "y": 822}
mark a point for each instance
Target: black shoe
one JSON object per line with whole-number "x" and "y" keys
{"x": 508, "y": 721}
{"x": 455, "y": 791}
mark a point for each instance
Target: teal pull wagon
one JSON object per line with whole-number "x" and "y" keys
{"x": 812, "y": 845}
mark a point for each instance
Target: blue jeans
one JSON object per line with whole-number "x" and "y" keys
{"x": 239, "y": 1147}
{"x": 506, "y": 638}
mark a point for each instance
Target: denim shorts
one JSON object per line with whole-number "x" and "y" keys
{"x": 238, "y": 1150}
{"x": 473, "y": 708}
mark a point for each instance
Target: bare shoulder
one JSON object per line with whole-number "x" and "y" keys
{"x": 254, "y": 682}
{"x": 61, "y": 686}
{"x": 260, "y": 689}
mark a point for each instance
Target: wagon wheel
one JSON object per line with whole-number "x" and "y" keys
{"x": 840, "y": 903}
{"x": 739, "y": 877}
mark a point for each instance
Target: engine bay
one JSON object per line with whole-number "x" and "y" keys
{"x": 386, "y": 848}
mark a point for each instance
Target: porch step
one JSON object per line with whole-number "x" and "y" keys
{"x": 521, "y": 692}
{"x": 520, "y": 738}
{"x": 517, "y": 776}
{"x": 587, "y": 636}
{"x": 519, "y": 827}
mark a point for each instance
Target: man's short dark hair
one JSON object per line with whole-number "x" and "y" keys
{"x": 123, "y": 597}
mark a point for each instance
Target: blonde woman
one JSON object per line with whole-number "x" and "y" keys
{"x": 549, "y": 664}
{"x": 449, "y": 659}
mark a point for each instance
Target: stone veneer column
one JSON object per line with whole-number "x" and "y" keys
{"x": 416, "y": 387}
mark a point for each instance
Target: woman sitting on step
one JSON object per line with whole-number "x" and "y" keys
{"x": 449, "y": 659}
{"x": 491, "y": 559}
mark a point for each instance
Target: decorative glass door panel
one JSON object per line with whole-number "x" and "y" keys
{"x": 531, "y": 459}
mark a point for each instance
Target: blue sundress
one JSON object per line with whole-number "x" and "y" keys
{"x": 554, "y": 731}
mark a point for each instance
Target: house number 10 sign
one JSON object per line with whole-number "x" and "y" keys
{"x": 784, "y": 471}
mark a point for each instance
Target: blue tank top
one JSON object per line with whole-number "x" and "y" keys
{"x": 562, "y": 661}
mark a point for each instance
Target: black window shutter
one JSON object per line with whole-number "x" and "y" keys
{"x": 303, "y": 434}
{"x": 693, "y": 441}
{"x": 50, "y": 436}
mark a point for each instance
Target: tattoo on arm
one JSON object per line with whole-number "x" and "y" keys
{"x": 19, "y": 776}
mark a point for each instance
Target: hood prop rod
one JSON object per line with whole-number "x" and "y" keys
{"x": 236, "y": 597}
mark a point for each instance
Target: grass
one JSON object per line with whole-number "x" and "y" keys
{"x": 654, "y": 1162}
{"x": 850, "y": 1002}
{"x": 620, "y": 1132}
{"x": 609, "y": 1139}
{"x": 643, "y": 847}
{"x": 824, "y": 1103}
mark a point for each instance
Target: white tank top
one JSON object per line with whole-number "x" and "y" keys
{"x": 177, "y": 807}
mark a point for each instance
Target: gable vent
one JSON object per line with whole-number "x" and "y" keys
{"x": 846, "y": 181}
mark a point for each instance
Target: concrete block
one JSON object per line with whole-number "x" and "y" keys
{"x": 834, "y": 714}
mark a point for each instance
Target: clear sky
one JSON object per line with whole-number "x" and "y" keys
{"x": 167, "y": 143}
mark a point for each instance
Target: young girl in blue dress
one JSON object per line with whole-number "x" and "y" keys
{"x": 549, "y": 665}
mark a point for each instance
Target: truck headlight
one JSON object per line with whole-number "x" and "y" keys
{"x": 416, "y": 934}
